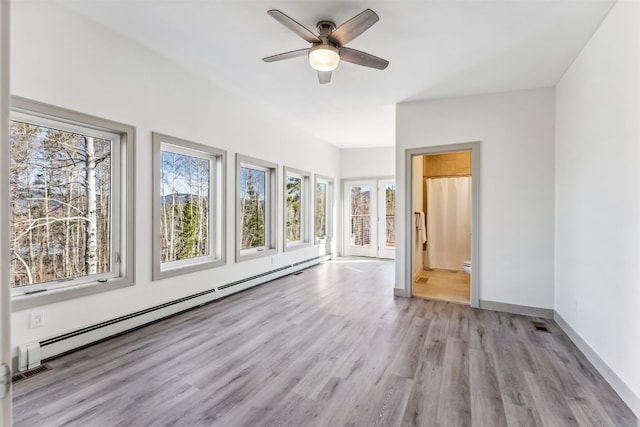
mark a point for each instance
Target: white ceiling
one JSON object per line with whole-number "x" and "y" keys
{"x": 436, "y": 49}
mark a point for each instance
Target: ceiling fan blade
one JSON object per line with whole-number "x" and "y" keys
{"x": 324, "y": 77}
{"x": 294, "y": 26}
{"x": 353, "y": 27}
{"x": 362, "y": 58}
{"x": 286, "y": 55}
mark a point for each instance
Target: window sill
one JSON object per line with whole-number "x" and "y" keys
{"x": 24, "y": 301}
{"x": 295, "y": 246}
{"x": 159, "y": 274}
{"x": 253, "y": 254}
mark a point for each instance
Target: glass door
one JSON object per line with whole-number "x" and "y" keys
{"x": 360, "y": 202}
{"x": 370, "y": 218}
{"x": 387, "y": 218}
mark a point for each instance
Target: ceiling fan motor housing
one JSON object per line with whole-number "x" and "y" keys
{"x": 324, "y": 29}
{"x": 328, "y": 46}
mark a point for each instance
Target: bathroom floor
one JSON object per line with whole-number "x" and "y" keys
{"x": 443, "y": 285}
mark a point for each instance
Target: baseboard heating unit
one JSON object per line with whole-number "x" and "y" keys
{"x": 77, "y": 339}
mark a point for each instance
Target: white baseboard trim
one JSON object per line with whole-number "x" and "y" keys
{"x": 397, "y": 292}
{"x": 545, "y": 313}
{"x": 626, "y": 394}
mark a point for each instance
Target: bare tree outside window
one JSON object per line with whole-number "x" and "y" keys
{"x": 184, "y": 205}
{"x": 60, "y": 185}
{"x": 321, "y": 210}
{"x": 293, "y": 212}
{"x": 188, "y": 212}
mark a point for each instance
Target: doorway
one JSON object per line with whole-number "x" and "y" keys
{"x": 442, "y": 223}
{"x": 369, "y": 218}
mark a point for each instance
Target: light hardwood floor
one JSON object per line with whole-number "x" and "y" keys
{"x": 443, "y": 285}
{"x": 329, "y": 347}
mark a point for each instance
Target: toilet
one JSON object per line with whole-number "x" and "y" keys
{"x": 466, "y": 266}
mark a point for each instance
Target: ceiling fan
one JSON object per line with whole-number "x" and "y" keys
{"x": 327, "y": 48}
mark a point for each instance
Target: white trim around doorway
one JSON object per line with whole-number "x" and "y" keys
{"x": 474, "y": 147}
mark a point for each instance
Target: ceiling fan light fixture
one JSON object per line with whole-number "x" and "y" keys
{"x": 324, "y": 57}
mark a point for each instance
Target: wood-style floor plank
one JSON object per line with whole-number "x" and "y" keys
{"x": 329, "y": 347}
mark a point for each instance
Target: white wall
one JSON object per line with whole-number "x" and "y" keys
{"x": 516, "y": 131}
{"x": 597, "y": 275}
{"x": 367, "y": 162}
{"x": 65, "y": 60}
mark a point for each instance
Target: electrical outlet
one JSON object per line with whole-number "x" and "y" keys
{"x": 36, "y": 319}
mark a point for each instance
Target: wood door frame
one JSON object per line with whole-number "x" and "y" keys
{"x": 474, "y": 147}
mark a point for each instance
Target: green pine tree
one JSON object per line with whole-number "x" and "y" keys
{"x": 188, "y": 247}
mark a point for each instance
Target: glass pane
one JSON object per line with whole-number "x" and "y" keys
{"x": 390, "y": 210}
{"x": 293, "y": 213}
{"x": 184, "y": 206}
{"x": 360, "y": 215}
{"x": 60, "y": 186}
{"x": 321, "y": 210}
{"x": 252, "y": 207}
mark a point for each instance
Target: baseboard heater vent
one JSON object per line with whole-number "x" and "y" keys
{"x": 267, "y": 273}
{"x": 122, "y": 318}
{"x": 315, "y": 258}
{"x": 257, "y": 276}
{"x": 30, "y": 373}
{"x": 84, "y": 337}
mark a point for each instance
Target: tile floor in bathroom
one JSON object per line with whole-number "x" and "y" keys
{"x": 443, "y": 285}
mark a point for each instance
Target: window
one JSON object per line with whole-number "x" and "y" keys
{"x": 390, "y": 214}
{"x": 361, "y": 215}
{"x": 256, "y": 209}
{"x": 296, "y": 211}
{"x": 323, "y": 209}
{"x": 71, "y": 193}
{"x": 188, "y": 212}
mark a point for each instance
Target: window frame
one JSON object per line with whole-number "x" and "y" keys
{"x": 122, "y": 199}
{"x": 216, "y": 206}
{"x": 305, "y": 179}
{"x": 329, "y": 205}
{"x": 271, "y": 208}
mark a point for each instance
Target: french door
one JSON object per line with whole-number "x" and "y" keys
{"x": 387, "y": 218}
{"x": 369, "y": 211}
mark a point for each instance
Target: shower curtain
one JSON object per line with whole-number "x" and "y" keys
{"x": 448, "y": 222}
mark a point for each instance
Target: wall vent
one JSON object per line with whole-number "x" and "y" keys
{"x": 540, "y": 326}
{"x": 30, "y": 373}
